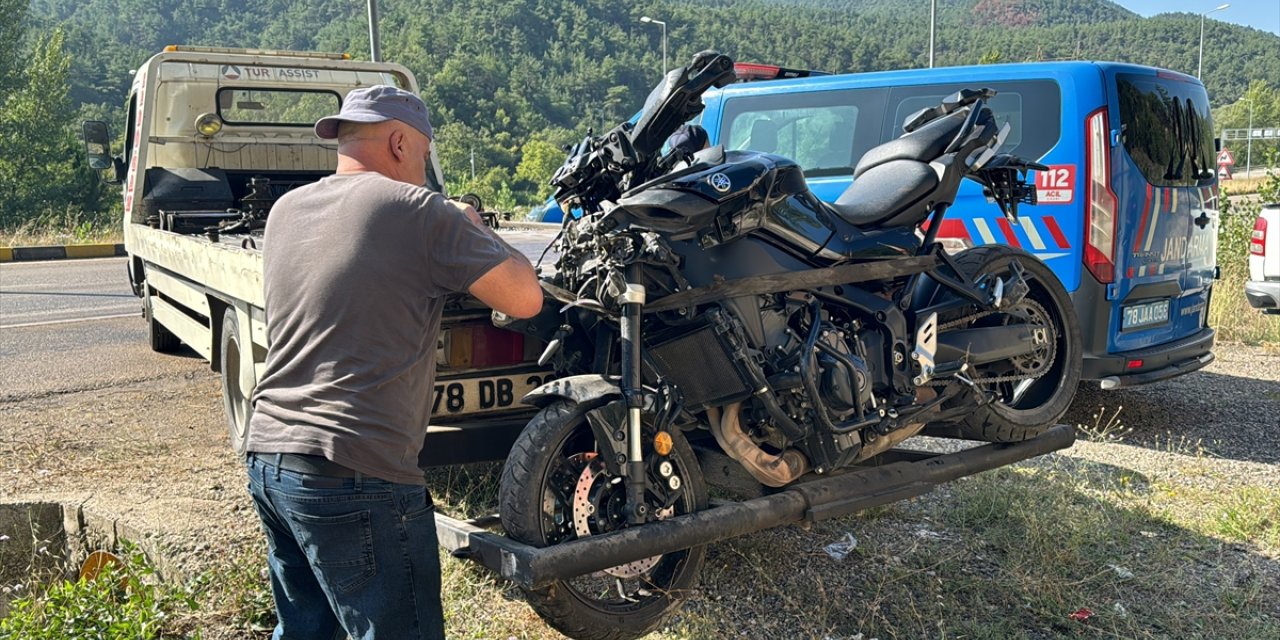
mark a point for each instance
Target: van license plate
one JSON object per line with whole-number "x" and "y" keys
{"x": 1145, "y": 315}
{"x": 484, "y": 395}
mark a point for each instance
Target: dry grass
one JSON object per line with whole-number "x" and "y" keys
{"x": 1242, "y": 186}
{"x": 31, "y": 236}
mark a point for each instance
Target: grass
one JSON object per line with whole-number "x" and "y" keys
{"x": 124, "y": 601}
{"x": 1243, "y": 186}
{"x": 69, "y": 227}
{"x": 1181, "y": 552}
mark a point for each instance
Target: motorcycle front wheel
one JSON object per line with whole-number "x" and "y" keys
{"x": 555, "y": 488}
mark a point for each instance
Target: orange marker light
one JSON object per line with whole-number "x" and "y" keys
{"x": 662, "y": 443}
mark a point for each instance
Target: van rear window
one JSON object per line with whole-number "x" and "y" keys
{"x": 1167, "y": 129}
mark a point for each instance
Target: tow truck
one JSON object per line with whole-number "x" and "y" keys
{"x": 213, "y": 137}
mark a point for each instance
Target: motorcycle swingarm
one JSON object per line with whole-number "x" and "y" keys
{"x": 1001, "y": 295}
{"x": 989, "y": 344}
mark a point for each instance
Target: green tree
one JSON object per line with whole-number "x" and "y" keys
{"x": 11, "y": 31}
{"x": 42, "y": 172}
{"x": 538, "y": 161}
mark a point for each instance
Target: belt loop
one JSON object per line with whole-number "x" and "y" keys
{"x": 279, "y": 461}
{"x": 359, "y": 481}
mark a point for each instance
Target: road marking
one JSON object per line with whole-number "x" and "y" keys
{"x": 68, "y": 321}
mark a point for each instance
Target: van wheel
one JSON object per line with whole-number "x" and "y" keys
{"x": 234, "y": 402}
{"x": 1026, "y": 408}
{"x": 162, "y": 340}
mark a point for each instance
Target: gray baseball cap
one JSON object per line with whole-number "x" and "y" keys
{"x": 378, "y": 103}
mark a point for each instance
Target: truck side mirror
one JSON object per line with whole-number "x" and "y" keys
{"x": 97, "y": 145}
{"x": 97, "y": 148}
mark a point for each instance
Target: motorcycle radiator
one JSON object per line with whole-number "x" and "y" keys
{"x": 702, "y": 366}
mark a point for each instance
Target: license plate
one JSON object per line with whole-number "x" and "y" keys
{"x": 1145, "y": 315}
{"x": 484, "y": 395}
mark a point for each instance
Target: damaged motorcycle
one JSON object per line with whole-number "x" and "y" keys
{"x": 708, "y": 304}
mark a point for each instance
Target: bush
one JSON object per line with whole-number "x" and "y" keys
{"x": 124, "y": 602}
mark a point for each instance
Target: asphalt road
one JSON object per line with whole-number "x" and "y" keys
{"x": 36, "y": 293}
{"x": 74, "y": 325}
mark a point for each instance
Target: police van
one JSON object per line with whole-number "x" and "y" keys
{"x": 1127, "y": 213}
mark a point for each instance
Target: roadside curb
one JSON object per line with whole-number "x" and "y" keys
{"x": 60, "y": 252}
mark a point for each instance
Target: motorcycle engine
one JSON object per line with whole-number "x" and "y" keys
{"x": 844, "y": 378}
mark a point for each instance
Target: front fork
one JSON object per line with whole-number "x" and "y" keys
{"x": 633, "y": 300}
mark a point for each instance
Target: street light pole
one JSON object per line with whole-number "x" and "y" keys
{"x": 933, "y": 12}
{"x": 375, "y": 46}
{"x": 1200, "y": 65}
{"x": 647, "y": 19}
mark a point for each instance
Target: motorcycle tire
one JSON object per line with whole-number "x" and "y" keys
{"x": 1049, "y": 397}
{"x": 539, "y": 474}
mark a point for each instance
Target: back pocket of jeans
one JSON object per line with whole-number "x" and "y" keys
{"x": 339, "y": 547}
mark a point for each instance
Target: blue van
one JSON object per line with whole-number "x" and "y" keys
{"x": 1127, "y": 215}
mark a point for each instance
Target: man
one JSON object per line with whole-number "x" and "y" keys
{"x": 356, "y": 268}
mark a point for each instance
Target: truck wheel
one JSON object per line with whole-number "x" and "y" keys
{"x": 555, "y": 488}
{"x": 234, "y": 402}
{"x": 162, "y": 340}
{"x": 1022, "y": 409}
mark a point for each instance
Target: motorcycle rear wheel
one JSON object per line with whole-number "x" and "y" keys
{"x": 1014, "y": 416}
{"x": 554, "y": 459}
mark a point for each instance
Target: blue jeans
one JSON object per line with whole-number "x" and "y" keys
{"x": 348, "y": 556}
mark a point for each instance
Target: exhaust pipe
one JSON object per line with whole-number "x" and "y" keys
{"x": 771, "y": 470}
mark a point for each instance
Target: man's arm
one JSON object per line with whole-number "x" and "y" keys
{"x": 512, "y": 286}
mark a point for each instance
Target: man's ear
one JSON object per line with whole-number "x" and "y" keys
{"x": 398, "y": 144}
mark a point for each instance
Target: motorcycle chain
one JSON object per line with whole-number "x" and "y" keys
{"x": 1034, "y": 373}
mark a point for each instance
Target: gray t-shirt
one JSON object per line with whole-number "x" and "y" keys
{"x": 357, "y": 267}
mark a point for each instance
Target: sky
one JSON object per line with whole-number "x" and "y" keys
{"x": 1259, "y": 14}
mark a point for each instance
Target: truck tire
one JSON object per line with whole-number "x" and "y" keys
{"x": 237, "y": 406}
{"x": 1013, "y": 417}
{"x": 554, "y": 459}
{"x": 162, "y": 340}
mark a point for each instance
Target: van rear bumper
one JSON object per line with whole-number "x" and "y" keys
{"x": 1160, "y": 362}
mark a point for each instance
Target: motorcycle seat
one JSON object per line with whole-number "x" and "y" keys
{"x": 895, "y": 193}
{"x": 922, "y": 145}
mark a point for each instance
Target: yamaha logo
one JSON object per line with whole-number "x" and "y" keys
{"x": 720, "y": 182}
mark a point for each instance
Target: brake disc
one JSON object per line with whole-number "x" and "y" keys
{"x": 595, "y": 489}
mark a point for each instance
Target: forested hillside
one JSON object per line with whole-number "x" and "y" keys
{"x": 509, "y": 80}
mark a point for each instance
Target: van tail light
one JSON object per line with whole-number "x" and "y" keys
{"x": 1101, "y": 201}
{"x": 1258, "y": 239}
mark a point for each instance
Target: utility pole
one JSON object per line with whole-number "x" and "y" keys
{"x": 1248, "y": 154}
{"x": 375, "y": 46}
{"x": 933, "y": 13}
